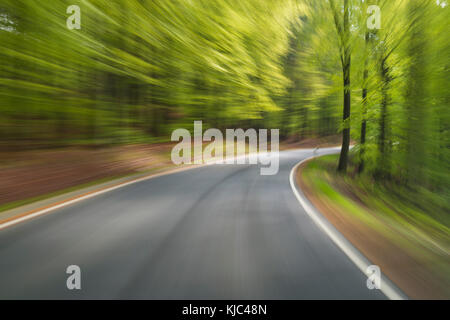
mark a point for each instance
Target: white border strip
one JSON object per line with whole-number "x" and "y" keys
{"x": 387, "y": 287}
{"x": 90, "y": 195}
{"x": 120, "y": 185}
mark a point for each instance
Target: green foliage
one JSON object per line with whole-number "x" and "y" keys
{"x": 138, "y": 69}
{"x": 149, "y": 65}
{"x": 417, "y": 222}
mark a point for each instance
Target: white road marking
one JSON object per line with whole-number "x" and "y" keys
{"x": 87, "y": 196}
{"x": 121, "y": 185}
{"x": 387, "y": 287}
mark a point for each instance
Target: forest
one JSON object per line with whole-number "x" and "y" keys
{"x": 136, "y": 70}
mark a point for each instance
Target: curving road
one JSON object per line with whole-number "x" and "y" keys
{"x": 214, "y": 232}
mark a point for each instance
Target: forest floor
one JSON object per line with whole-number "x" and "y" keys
{"x": 405, "y": 234}
{"x": 29, "y": 176}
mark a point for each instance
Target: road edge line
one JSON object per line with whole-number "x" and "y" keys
{"x": 58, "y": 205}
{"x": 22, "y": 217}
{"x": 390, "y": 290}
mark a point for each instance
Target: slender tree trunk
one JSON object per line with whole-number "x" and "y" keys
{"x": 343, "y": 159}
{"x": 364, "y": 110}
{"x": 346, "y": 67}
{"x": 363, "y": 139}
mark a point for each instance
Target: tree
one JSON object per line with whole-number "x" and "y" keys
{"x": 343, "y": 31}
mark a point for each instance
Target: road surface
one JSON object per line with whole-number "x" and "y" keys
{"x": 213, "y": 232}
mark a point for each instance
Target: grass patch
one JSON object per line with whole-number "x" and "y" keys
{"x": 392, "y": 211}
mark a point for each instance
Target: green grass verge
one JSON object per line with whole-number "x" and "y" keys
{"x": 394, "y": 211}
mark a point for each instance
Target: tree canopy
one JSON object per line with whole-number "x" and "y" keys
{"x": 137, "y": 69}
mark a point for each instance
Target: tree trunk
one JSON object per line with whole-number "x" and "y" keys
{"x": 364, "y": 110}
{"x": 346, "y": 67}
{"x": 343, "y": 158}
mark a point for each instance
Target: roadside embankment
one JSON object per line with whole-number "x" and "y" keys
{"x": 393, "y": 230}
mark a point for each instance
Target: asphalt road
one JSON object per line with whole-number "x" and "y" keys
{"x": 214, "y": 232}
